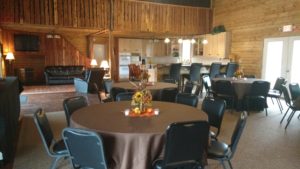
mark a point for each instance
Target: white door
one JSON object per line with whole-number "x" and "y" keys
{"x": 281, "y": 59}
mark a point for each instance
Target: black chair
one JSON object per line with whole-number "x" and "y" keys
{"x": 187, "y": 99}
{"x": 221, "y": 151}
{"x": 124, "y": 96}
{"x": 94, "y": 75}
{"x": 207, "y": 85}
{"x": 276, "y": 92}
{"x": 214, "y": 69}
{"x": 55, "y": 149}
{"x": 214, "y": 108}
{"x": 192, "y": 88}
{"x": 295, "y": 90}
{"x": 168, "y": 94}
{"x": 85, "y": 148}
{"x": 72, "y": 104}
{"x": 224, "y": 90}
{"x": 174, "y": 73}
{"x": 290, "y": 105}
{"x": 107, "y": 85}
{"x": 186, "y": 146}
{"x": 258, "y": 94}
{"x": 231, "y": 69}
{"x": 115, "y": 91}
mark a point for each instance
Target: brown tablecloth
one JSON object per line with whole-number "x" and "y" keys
{"x": 241, "y": 86}
{"x": 155, "y": 86}
{"x": 132, "y": 142}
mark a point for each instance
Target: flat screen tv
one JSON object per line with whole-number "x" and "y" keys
{"x": 26, "y": 43}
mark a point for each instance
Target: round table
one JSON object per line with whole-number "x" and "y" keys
{"x": 155, "y": 88}
{"x": 132, "y": 142}
{"x": 242, "y": 87}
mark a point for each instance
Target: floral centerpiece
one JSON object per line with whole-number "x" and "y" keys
{"x": 239, "y": 73}
{"x": 142, "y": 99}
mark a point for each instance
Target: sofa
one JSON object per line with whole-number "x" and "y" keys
{"x": 63, "y": 74}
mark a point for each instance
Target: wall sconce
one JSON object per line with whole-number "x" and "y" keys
{"x": 93, "y": 63}
{"x": 193, "y": 41}
{"x": 180, "y": 40}
{"x": 10, "y": 57}
{"x": 204, "y": 41}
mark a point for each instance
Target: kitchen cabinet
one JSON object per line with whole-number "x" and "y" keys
{"x": 155, "y": 48}
{"x": 130, "y": 46}
{"x": 218, "y": 45}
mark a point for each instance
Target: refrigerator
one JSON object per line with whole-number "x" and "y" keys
{"x": 124, "y": 60}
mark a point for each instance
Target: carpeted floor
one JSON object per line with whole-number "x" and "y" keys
{"x": 264, "y": 144}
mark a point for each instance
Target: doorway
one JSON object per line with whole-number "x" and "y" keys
{"x": 281, "y": 58}
{"x": 99, "y": 53}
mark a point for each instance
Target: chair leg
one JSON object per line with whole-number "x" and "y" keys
{"x": 284, "y": 115}
{"x": 290, "y": 119}
{"x": 230, "y": 164}
{"x": 266, "y": 109}
{"x": 278, "y": 102}
{"x": 272, "y": 100}
{"x": 222, "y": 162}
{"x": 54, "y": 162}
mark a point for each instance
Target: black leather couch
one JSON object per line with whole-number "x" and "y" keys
{"x": 63, "y": 74}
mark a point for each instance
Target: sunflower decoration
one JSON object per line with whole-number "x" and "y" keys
{"x": 141, "y": 99}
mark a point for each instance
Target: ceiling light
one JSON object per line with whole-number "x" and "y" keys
{"x": 193, "y": 41}
{"x": 204, "y": 41}
{"x": 180, "y": 40}
{"x": 167, "y": 40}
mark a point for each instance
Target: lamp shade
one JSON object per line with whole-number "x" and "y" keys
{"x": 10, "y": 56}
{"x": 94, "y": 62}
{"x": 104, "y": 64}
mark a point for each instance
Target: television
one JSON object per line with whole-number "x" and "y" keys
{"x": 26, "y": 43}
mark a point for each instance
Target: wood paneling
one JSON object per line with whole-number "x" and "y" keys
{"x": 53, "y": 51}
{"x": 252, "y": 21}
{"x": 136, "y": 16}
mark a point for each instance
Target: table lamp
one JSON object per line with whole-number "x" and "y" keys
{"x": 10, "y": 57}
{"x": 105, "y": 66}
{"x": 94, "y": 63}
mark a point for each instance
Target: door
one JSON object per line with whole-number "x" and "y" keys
{"x": 281, "y": 59}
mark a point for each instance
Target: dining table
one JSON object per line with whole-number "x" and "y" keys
{"x": 154, "y": 87}
{"x": 242, "y": 87}
{"x": 132, "y": 142}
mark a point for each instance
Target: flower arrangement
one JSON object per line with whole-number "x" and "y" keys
{"x": 239, "y": 73}
{"x": 141, "y": 99}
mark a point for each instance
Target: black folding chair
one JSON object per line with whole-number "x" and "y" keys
{"x": 85, "y": 148}
{"x": 276, "y": 92}
{"x": 72, "y": 104}
{"x": 214, "y": 108}
{"x": 220, "y": 150}
{"x": 187, "y": 99}
{"x": 55, "y": 149}
{"x": 168, "y": 94}
{"x": 186, "y": 146}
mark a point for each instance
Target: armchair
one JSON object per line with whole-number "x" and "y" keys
{"x": 92, "y": 77}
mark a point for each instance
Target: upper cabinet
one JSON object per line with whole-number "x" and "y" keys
{"x": 130, "y": 46}
{"x": 218, "y": 45}
{"x": 144, "y": 47}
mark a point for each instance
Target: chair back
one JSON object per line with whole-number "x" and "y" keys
{"x": 72, "y": 104}
{"x": 224, "y": 87}
{"x": 295, "y": 90}
{"x": 187, "y": 99}
{"x": 168, "y": 94}
{"x": 279, "y": 81}
{"x": 44, "y": 129}
{"x": 214, "y": 108}
{"x": 206, "y": 82}
{"x": 95, "y": 76}
{"x": 260, "y": 88}
{"x": 192, "y": 88}
{"x": 214, "y": 69}
{"x": 286, "y": 95}
{"x": 237, "y": 132}
{"x": 175, "y": 71}
{"x": 127, "y": 96}
{"x": 195, "y": 71}
{"x": 85, "y": 148}
{"x": 186, "y": 144}
{"x": 231, "y": 69}
{"x": 115, "y": 91}
{"x": 134, "y": 72}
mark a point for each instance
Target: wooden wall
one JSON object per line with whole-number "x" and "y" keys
{"x": 136, "y": 16}
{"x": 53, "y": 51}
{"x": 250, "y": 22}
